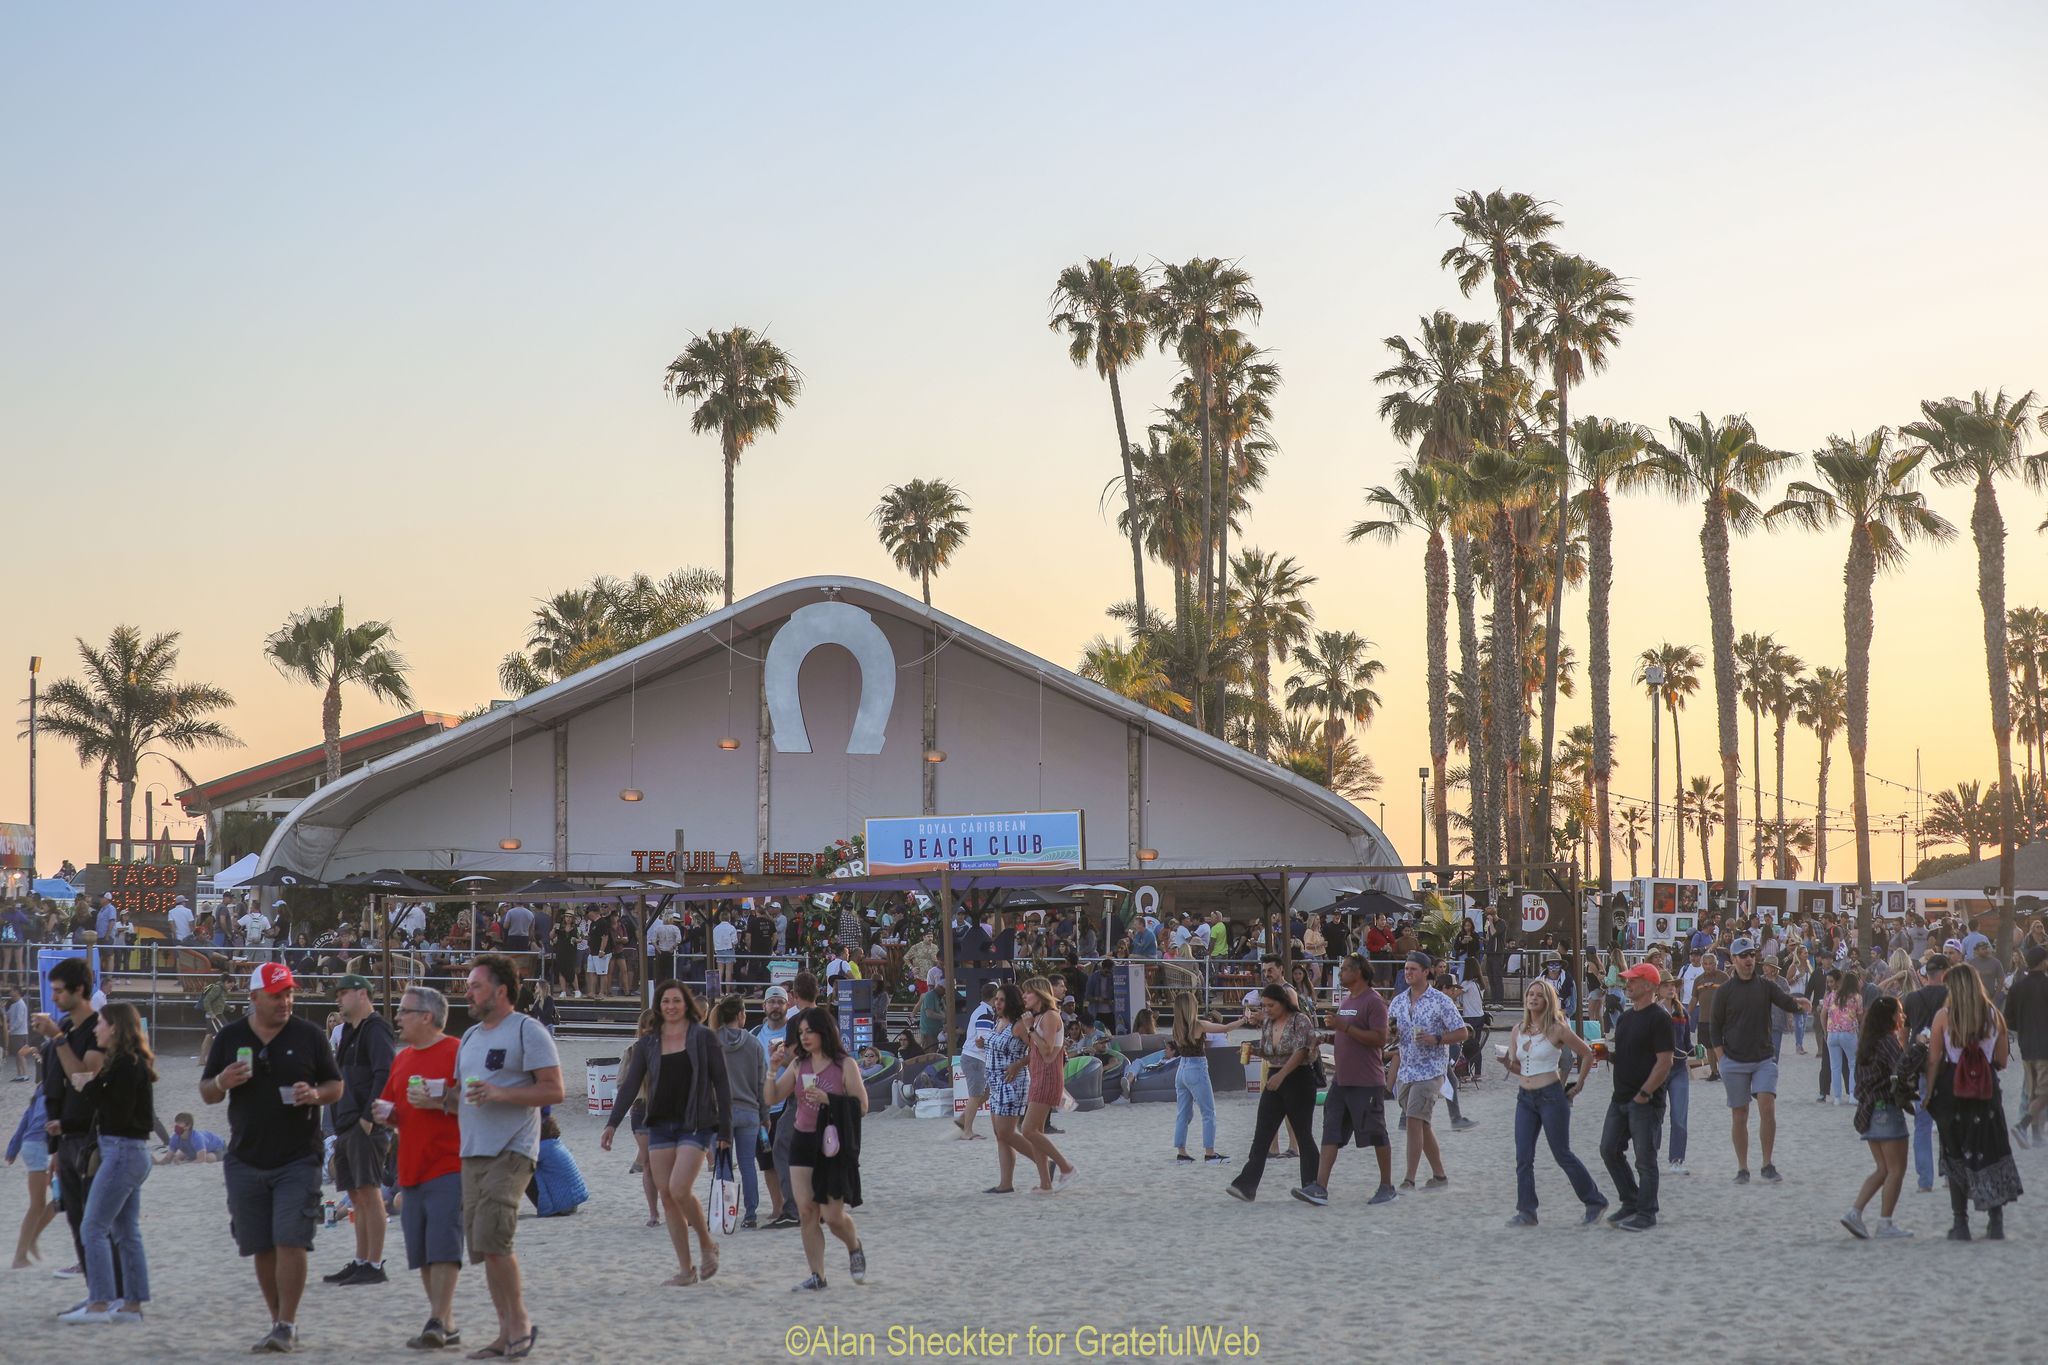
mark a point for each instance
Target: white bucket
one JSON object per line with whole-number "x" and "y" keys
{"x": 960, "y": 1096}
{"x": 601, "y": 1083}
{"x": 931, "y": 1109}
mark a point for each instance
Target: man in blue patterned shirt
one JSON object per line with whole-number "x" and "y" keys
{"x": 1425, "y": 1026}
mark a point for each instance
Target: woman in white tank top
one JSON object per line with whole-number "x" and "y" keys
{"x": 1535, "y": 1053}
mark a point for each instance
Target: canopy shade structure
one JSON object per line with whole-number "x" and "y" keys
{"x": 767, "y": 732}
{"x": 237, "y": 872}
{"x": 389, "y": 879}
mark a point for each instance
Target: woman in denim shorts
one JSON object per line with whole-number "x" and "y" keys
{"x": 1881, "y": 1115}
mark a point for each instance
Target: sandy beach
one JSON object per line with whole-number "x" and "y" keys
{"x": 1139, "y": 1243}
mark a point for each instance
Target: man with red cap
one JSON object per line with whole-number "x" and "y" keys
{"x": 1641, "y": 1058}
{"x": 275, "y": 1070}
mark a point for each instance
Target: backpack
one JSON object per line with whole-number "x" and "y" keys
{"x": 1972, "y": 1080}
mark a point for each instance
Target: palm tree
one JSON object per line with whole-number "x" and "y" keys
{"x": 1165, "y": 474}
{"x": 1273, "y": 617}
{"x": 1634, "y": 820}
{"x": 1871, "y": 485}
{"x": 1783, "y": 697}
{"x": 1576, "y": 312}
{"x": 1963, "y": 816}
{"x": 1105, "y": 310}
{"x": 921, "y": 524}
{"x": 1979, "y": 444}
{"x": 1495, "y": 484}
{"x": 1725, "y": 466}
{"x": 1703, "y": 803}
{"x": 1193, "y": 306}
{"x": 1301, "y": 747}
{"x": 1437, "y": 408}
{"x": 1763, "y": 665}
{"x": 743, "y": 382}
{"x": 318, "y": 646}
{"x": 581, "y": 626}
{"x": 1130, "y": 672}
{"x": 2026, "y": 631}
{"x": 1421, "y": 500}
{"x": 1502, "y": 233}
{"x": 1822, "y": 704}
{"x": 128, "y": 700}
{"x": 1681, "y": 665}
{"x": 1335, "y": 677}
{"x": 1608, "y": 455}
{"x": 1246, "y": 379}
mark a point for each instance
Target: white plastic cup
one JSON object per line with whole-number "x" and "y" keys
{"x": 288, "y": 1094}
{"x": 380, "y": 1110}
{"x": 436, "y": 1088}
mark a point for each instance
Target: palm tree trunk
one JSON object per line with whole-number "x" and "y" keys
{"x": 1857, "y": 576}
{"x": 99, "y": 850}
{"x": 1783, "y": 853}
{"x": 1599, "y": 664}
{"x": 1478, "y": 801}
{"x": 1756, "y": 765}
{"x": 1987, "y": 528}
{"x": 1123, "y": 447}
{"x": 1721, "y": 608}
{"x": 1208, "y": 487}
{"x": 330, "y": 727}
{"x": 1820, "y": 818}
{"x": 1678, "y": 772}
{"x": 1553, "y": 629}
{"x": 1223, "y": 535}
{"x": 1436, "y": 590}
{"x": 1502, "y": 725}
{"x": 1706, "y": 859}
{"x": 730, "y": 442}
{"x": 1262, "y": 692}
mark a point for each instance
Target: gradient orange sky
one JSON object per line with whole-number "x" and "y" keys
{"x": 376, "y": 303}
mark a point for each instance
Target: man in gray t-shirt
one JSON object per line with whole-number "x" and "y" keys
{"x": 509, "y": 1069}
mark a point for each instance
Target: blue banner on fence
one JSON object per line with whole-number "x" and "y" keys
{"x": 1028, "y": 841}
{"x": 47, "y": 958}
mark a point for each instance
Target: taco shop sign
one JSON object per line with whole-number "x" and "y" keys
{"x": 1030, "y": 841}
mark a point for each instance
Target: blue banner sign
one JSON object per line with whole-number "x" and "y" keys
{"x": 1026, "y": 842}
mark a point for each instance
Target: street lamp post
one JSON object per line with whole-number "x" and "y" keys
{"x": 35, "y": 666}
{"x": 1654, "y": 676}
{"x": 1422, "y": 790}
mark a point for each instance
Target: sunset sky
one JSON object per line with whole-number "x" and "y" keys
{"x": 375, "y": 301}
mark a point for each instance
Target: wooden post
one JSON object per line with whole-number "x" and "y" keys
{"x": 946, "y": 956}
{"x": 384, "y": 933}
{"x": 1578, "y": 954}
{"x": 1286, "y": 938}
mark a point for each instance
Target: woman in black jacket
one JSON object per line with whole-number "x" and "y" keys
{"x": 124, "y": 1095}
{"x": 689, "y": 1112}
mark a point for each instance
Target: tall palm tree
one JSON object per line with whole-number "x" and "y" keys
{"x": 1166, "y": 474}
{"x": 1131, "y": 672}
{"x": 585, "y": 625}
{"x": 318, "y": 646}
{"x": 1633, "y": 821}
{"x": 1273, "y": 617}
{"x": 1497, "y": 483}
{"x": 742, "y": 382}
{"x": 1301, "y": 746}
{"x": 1870, "y": 484}
{"x": 1726, "y": 467}
{"x": 1334, "y": 676}
{"x": 1194, "y": 304}
{"x": 1782, "y": 695}
{"x": 2026, "y": 633}
{"x": 1963, "y": 816}
{"x": 1246, "y": 380}
{"x": 1608, "y": 454}
{"x": 1704, "y": 806}
{"x": 1501, "y": 233}
{"x": 1439, "y": 382}
{"x": 1822, "y": 704}
{"x": 1761, "y": 663}
{"x": 1576, "y": 312}
{"x": 1979, "y": 443}
{"x": 1421, "y": 500}
{"x": 1105, "y": 310}
{"x": 921, "y": 524}
{"x": 1681, "y": 665}
{"x": 128, "y": 699}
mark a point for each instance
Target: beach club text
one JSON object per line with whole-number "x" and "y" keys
{"x": 1035, "y": 839}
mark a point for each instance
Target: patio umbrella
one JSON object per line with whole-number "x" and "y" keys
{"x": 282, "y": 877}
{"x": 388, "y": 879}
{"x": 545, "y": 885}
{"x": 1031, "y": 898}
{"x": 1370, "y": 903}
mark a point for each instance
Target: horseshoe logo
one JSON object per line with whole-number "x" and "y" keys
{"x": 830, "y": 623}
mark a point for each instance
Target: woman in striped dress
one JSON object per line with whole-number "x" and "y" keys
{"x": 1009, "y": 1090}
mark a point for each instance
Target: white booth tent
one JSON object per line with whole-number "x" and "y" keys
{"x": 742, "y": 769}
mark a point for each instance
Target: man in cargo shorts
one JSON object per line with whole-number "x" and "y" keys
{"x": 509, "y": 1069}
{"x": 1425, "y": 1025}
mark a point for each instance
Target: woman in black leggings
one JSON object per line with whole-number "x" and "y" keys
{"x": 1288, "y": 1043}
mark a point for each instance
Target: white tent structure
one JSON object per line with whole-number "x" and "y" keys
{"x": 237, "y": 872}
{"x": 778, "y": 725}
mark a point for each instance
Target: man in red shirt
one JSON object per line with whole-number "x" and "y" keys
{"x": 420, "y": 1102}
{"x": 1379, "y": 945}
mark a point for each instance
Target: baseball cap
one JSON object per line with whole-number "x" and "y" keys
{"x": 1953, "y": 945}
{"x": 275, "y": 904}
{"x": 1644, "y": 971}
{"x": 1422, "y": 959}
{"x": 775, "y": 993}
{"x": 352, "y": 982}
{"x": 2036, "y": 955}
{"x": 272, "y": 977}
{"x": 1741, "y": 946}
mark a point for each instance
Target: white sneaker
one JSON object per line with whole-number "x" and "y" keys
{"x": 85, "y": 1312}
{"x": 1853, "y": 1221}
{"x": 1062, "y": 1179}
{"x": 1888, "y": 1231}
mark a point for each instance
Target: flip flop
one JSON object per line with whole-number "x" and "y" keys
{"x": 523, "y": 1347}
{"x": 707, "y": 1257}
{"x": 486, "y": 1353}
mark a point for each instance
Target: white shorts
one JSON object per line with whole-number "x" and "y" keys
{"x": 600, "y": 964}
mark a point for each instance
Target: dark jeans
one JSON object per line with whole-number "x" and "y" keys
{"x": 1640, "y": 1125}
{"x": 785, "y": 1134}
{"x": 73, "y": 1151}
{"x": 1548, "y": 1111}
{"x": 1292, "y": 1102}
{"x": 1827, "y": 1077}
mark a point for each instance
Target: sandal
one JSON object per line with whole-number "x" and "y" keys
{"x": 1000, "y": 1189}
{"x": 523, "y": 1347}
{"x": 708, "y": 1255}
{"x": 486, "y": 1353}
{"x": 682, "y": 1279}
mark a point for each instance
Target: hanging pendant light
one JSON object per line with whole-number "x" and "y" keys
{"x": 730, "y": 742}
{"x": 510, "y": 843}
{"x": 631, "y": 791}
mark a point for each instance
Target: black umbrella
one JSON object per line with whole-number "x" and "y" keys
{"x": 1031, "y": 898}
{"x": 389, "y": 879}
{"x": 281, "y": 877}
{"x": 545, "y": 886}
{"x": 1370, "y": 903}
